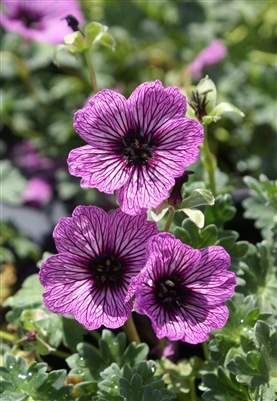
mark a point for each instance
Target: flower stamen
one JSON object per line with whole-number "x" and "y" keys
{"x": 138, "y": 148}
{"x": 106, "y": 269}
{"x": 170, "y": 293}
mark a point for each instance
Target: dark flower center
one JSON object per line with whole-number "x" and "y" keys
{"x": 137, "y": 147}
{"x": 106, "y": 269}
{"x": 171, "y": 293}
{"x": 199, "y": 103}
{"x": 30, "y": 18}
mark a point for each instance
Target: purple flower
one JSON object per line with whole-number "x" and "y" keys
{"x": 211, "y": 54}
{"x": 27, "y": 157}
{"x": 98, "y": 256}
{"x": 136, "y": 146}
{"x": 37, "y": 193}
{"x": 182, "y": 290}
{"x": 40, "y": 20}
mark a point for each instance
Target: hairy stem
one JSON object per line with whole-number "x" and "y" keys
{"x": 169, "y": 220}
{"x": 193, "y": 396}
{"x": 208, "y": 160}
{"x": 131, "y": 331}
{"x": 60, "y": 354}
{"x": 91, "y": 72}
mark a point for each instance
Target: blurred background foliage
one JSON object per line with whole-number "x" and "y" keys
{"x": 154, "y": 40}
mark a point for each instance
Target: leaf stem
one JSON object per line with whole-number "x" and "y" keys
{"x": 208, "y": 160}
{"x": 60, "y": 354}
{"x": 169, "y": 220}
{"x": 91, "y": 72}
{"x": 131, "y": 331}
{"x": 7, "y": 336}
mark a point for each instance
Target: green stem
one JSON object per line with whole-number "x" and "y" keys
{"x": 209, "y": 160}
{"x": 60, "y": 354}
{"x": 205, "y": 350}
{"x": 91, "y": 72}
{"x": 131, "y": 331}
{"x": 169, "y": 220}
{"x": 7, "y": 336}
{"x": 193, "y": 396}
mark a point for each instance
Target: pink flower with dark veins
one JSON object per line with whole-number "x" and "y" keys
{"x": 182, "y": 290}
{"x": 98, "y": 256}
{"x": 135, "y": 146}
{"x": 39, "y": 20}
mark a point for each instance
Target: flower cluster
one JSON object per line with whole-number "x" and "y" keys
{"x": 104, "y": 260}
{"x": 139, "y": 147}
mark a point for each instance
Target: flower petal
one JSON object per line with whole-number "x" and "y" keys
{"x": 129, "y": 235}
{"x": 104, "y": 123}
{"x": 210, "y": 281}
{"x": 152, "y": 105}
{"x": 83, "y": 234}
{"x": 63, "y": 276}
{"x": 95, "y": 307}
{"x": 98, "y": 168}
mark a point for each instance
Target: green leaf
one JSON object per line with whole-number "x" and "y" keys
{"x": 197, "y": 198}
{"x": 189, "y": 234}
{"x": 258, "y": 368}
{"x": 267, "y": 340}
{"x": 239, "y": 250}
{"x": 210, "y": 119}
{"x": 260, "y": 275}
{"x": 106, "y": 40}
{"x": 24, "y": 383}
{"x": 87, "y": 364}
{"x": 243, "y": 314}
{"x": 134, "y": 354}
{"x": 183, "y": 235}
{"x": 221, "y": 212}
{"x": 223, "y": 388}
{"x": 178, "y": 376}
{"x": 76, "y": 41}
{"x": 73, "y": 332}
{"x": 262, "y": 205}
{"x": 196, "y": 216}
{"x": 225, "y": 107}
{"x": 29, "y": 296}
{"x": 248, "y": 370}
{"x": 112, "y": 347}
{"x": 69, "y": 48}
{"x": 92, "y": 30}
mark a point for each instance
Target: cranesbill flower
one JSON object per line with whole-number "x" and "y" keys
{"x": 182, "y": 290}
{"x": 98, "y": 256}
{"x": 136, "y": 146}
{"x": 211, "y": 54}
{"x": 40, "y": 20}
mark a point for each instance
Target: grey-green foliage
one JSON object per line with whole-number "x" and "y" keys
{"x": 23, "y": 383}
{"x": 262, "y": 205}
{"x": 116, "y": 370}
